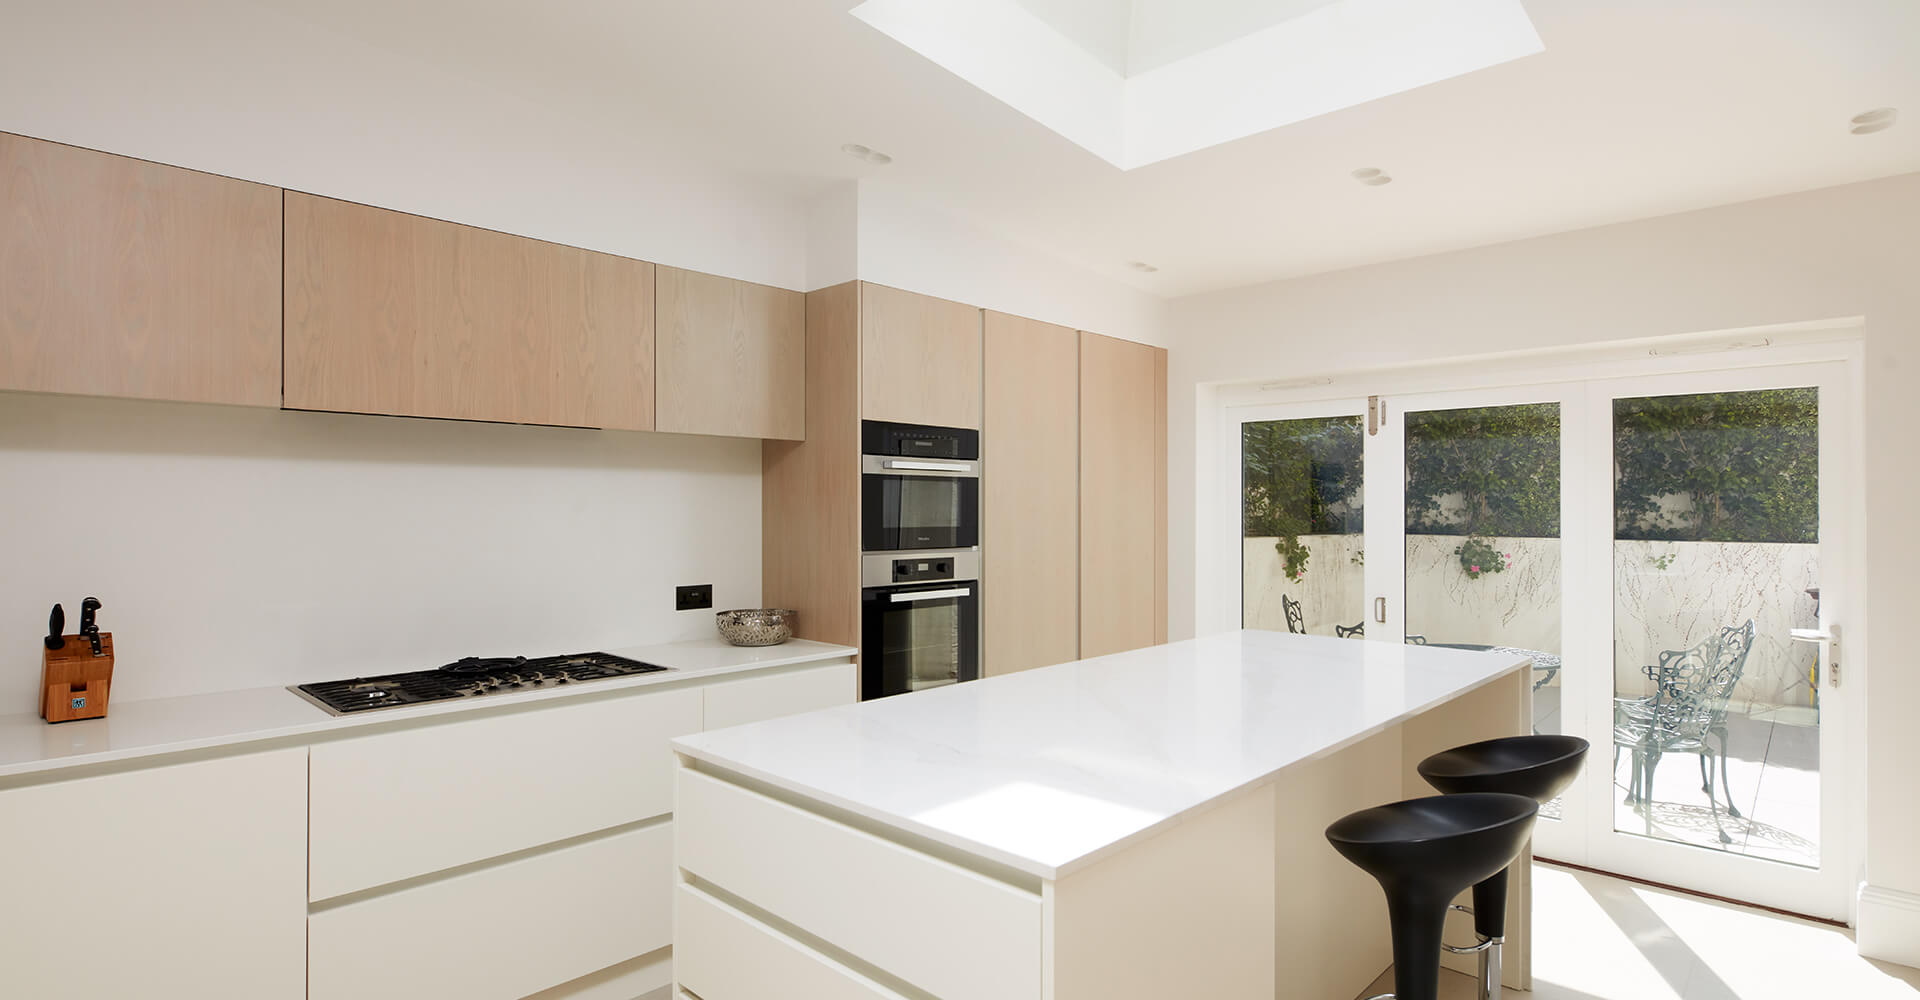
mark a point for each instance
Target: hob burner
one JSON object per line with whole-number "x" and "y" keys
{"x": 470, "y": 677}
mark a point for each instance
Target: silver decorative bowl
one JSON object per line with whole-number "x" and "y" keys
{"x": 755, "y": 626}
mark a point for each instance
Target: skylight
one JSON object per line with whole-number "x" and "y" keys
{"x": 1139, "y": 81}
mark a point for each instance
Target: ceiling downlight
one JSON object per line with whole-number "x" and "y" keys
{"x": 1877, "y": 120}
{"x": 866, "y": 153}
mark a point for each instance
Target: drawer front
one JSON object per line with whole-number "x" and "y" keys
{"x": 722, "y": 954}
{"x": 398, "y": 805}
{"x": 738, "y": 702}
{"x": 502, "y": 932}
{"x": 887, "y": 904}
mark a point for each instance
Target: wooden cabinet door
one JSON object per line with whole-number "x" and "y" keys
{"x": 120, "y": 277}
{"x": 731, "y": 355}
{"x": 178, "y": 880}
{"x": 397, "y": 314}
{"x": 1123, "y": 495}
{"x": 919, "y": 358}
{"x": 1030, "y": 495}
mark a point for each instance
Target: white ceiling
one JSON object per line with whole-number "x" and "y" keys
{"x": 1636, "y": 108}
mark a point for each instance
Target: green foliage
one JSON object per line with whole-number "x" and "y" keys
{"x": 1748, "y": 462}
{"x": 1478, "y": 557}
{"x": 1301, "y": 477}
{"x": 1490, "y": 470}
{"x": 1293, "y": 556}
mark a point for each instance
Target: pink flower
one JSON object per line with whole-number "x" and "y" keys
{"x": 1473, "y": 569}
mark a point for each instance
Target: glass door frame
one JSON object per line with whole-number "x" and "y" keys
{"x": 1565, "y": 837}
{"x": 1828, "y": 891}
{"x": 1234, "y": 418}
{"x": 1829, "y": 356}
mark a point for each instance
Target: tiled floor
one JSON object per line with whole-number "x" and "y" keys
{"x": 1599, "y": 938}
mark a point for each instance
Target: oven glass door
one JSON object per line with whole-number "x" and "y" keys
{"x": 919, "y": 637}
{"x": 919, "y": 512}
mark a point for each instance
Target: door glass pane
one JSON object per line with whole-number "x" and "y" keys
{"x": 1483, "y": 539}
{"x": 1302, "y": 565}
{"x": 1715, "y": 559}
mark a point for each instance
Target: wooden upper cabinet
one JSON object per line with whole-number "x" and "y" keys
{"x": 1123, "y": 495}
{"x": 732, "y": 357}
{"x": 398, "y": 314}
{"x": 1030, "y": 495}
{"x": 120, "y": 277}
{"x": 919, "y": 358}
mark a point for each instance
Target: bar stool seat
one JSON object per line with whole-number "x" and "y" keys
{"x": 1539, "y": 767}
{"x": 1424, "y": 852}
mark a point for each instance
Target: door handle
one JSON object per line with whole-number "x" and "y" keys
{"x": 928, "y": 466}
{"x": 1828, "y": 639}
{"x": 1380, "y": 610}
{"x": 930, "y": 595}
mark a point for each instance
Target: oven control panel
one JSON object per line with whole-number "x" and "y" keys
{"x": 888, "y": 569}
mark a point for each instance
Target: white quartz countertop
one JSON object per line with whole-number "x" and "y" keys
{"x": 136, "y": 729}
{"x": 1048, "y": 770}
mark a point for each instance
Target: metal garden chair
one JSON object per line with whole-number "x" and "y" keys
{"x": 1686, "y": 713}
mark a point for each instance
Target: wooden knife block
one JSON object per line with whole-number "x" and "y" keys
{"x": 73, "y": 682}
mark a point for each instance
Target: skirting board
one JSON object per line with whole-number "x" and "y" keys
{"x": 1889, "y": 925}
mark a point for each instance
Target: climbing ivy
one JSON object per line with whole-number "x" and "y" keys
{"x": 1487, "y": 470}
{"x": 1300, "y": 477}
{"x": 1729, "y": 467}
{"x": 1718, "y": 467}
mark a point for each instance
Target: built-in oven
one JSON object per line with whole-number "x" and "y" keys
{"x": 919, "y": 487}
{"x": 919, "y": 621}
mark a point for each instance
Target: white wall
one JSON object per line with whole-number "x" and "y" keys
{"x": 234, "y": 88}
{"x": 236, "y": 547}
{"x": 1840, "y": 252}
{"x": 909, "y": 244}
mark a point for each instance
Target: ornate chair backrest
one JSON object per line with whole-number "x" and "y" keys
{"x": 1692, "y": 686}
{"x": 1296, "y": 619}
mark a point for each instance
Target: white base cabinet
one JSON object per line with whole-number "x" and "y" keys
{"x": 503, "y": 931}
{"x": 525, "y": 852}
{"x": 165, "y": 883}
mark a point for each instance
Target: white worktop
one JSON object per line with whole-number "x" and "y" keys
{"x": 136, "y": 729}
{"x": 1048, "y": 770}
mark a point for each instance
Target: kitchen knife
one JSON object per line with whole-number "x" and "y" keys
{"x": 56, "y": 625}
{"x": 89, "y": 627}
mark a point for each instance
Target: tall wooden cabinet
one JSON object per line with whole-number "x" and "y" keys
{"x": 1123, "y": 495}
{"x": 1030, "y": 495}
{"x": 398, "y": 314}
{"x": 919, "y": 358}
{"x": 120, "y": 277}
{"x": 731, "y": 356}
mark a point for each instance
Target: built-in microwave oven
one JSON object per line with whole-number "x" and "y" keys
{"x": 919, "y": 487}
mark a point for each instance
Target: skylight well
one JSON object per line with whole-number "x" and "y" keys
{"x": 1139, "y": 81}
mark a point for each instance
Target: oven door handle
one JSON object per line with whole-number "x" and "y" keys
{"x": 894, "y": 463}
{"x": 929, "y": 595}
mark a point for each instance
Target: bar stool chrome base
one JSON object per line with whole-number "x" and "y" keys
{"x": 1488, "y": 948}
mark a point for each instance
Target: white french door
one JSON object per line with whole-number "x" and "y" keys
{"x": 1653, "y": 541}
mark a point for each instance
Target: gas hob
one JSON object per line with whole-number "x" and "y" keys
{"x": 472, "y": 677}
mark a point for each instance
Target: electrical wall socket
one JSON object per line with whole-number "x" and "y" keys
{"x": 693, "y": 597}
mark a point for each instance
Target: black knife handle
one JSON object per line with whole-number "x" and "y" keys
{"x": 87, "y": 608}
{"x": 56, "y": 626}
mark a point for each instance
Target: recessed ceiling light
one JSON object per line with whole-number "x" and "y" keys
{"x": 866, "y": 153}
{"x": 1142, "y": 266}
{"x": 1877, "y": 120}
{"x": 1372, "y": 176}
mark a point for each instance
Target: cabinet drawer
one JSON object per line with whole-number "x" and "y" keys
{"x": 736, "y": 703}
{"x": 502, "y": 932}
{"x": 723, "y": 954}
{"x": 849, "y": 888}
{"x": 397, "y": 805}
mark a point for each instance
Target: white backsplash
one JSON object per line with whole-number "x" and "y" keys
{"x": 236, "y": 547}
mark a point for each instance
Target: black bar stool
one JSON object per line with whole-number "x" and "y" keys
{"x": 1538, "y": 767}
{"x": 1424, "y": 852}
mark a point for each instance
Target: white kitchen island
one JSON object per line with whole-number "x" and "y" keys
{"x": 1142, "y": 825}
